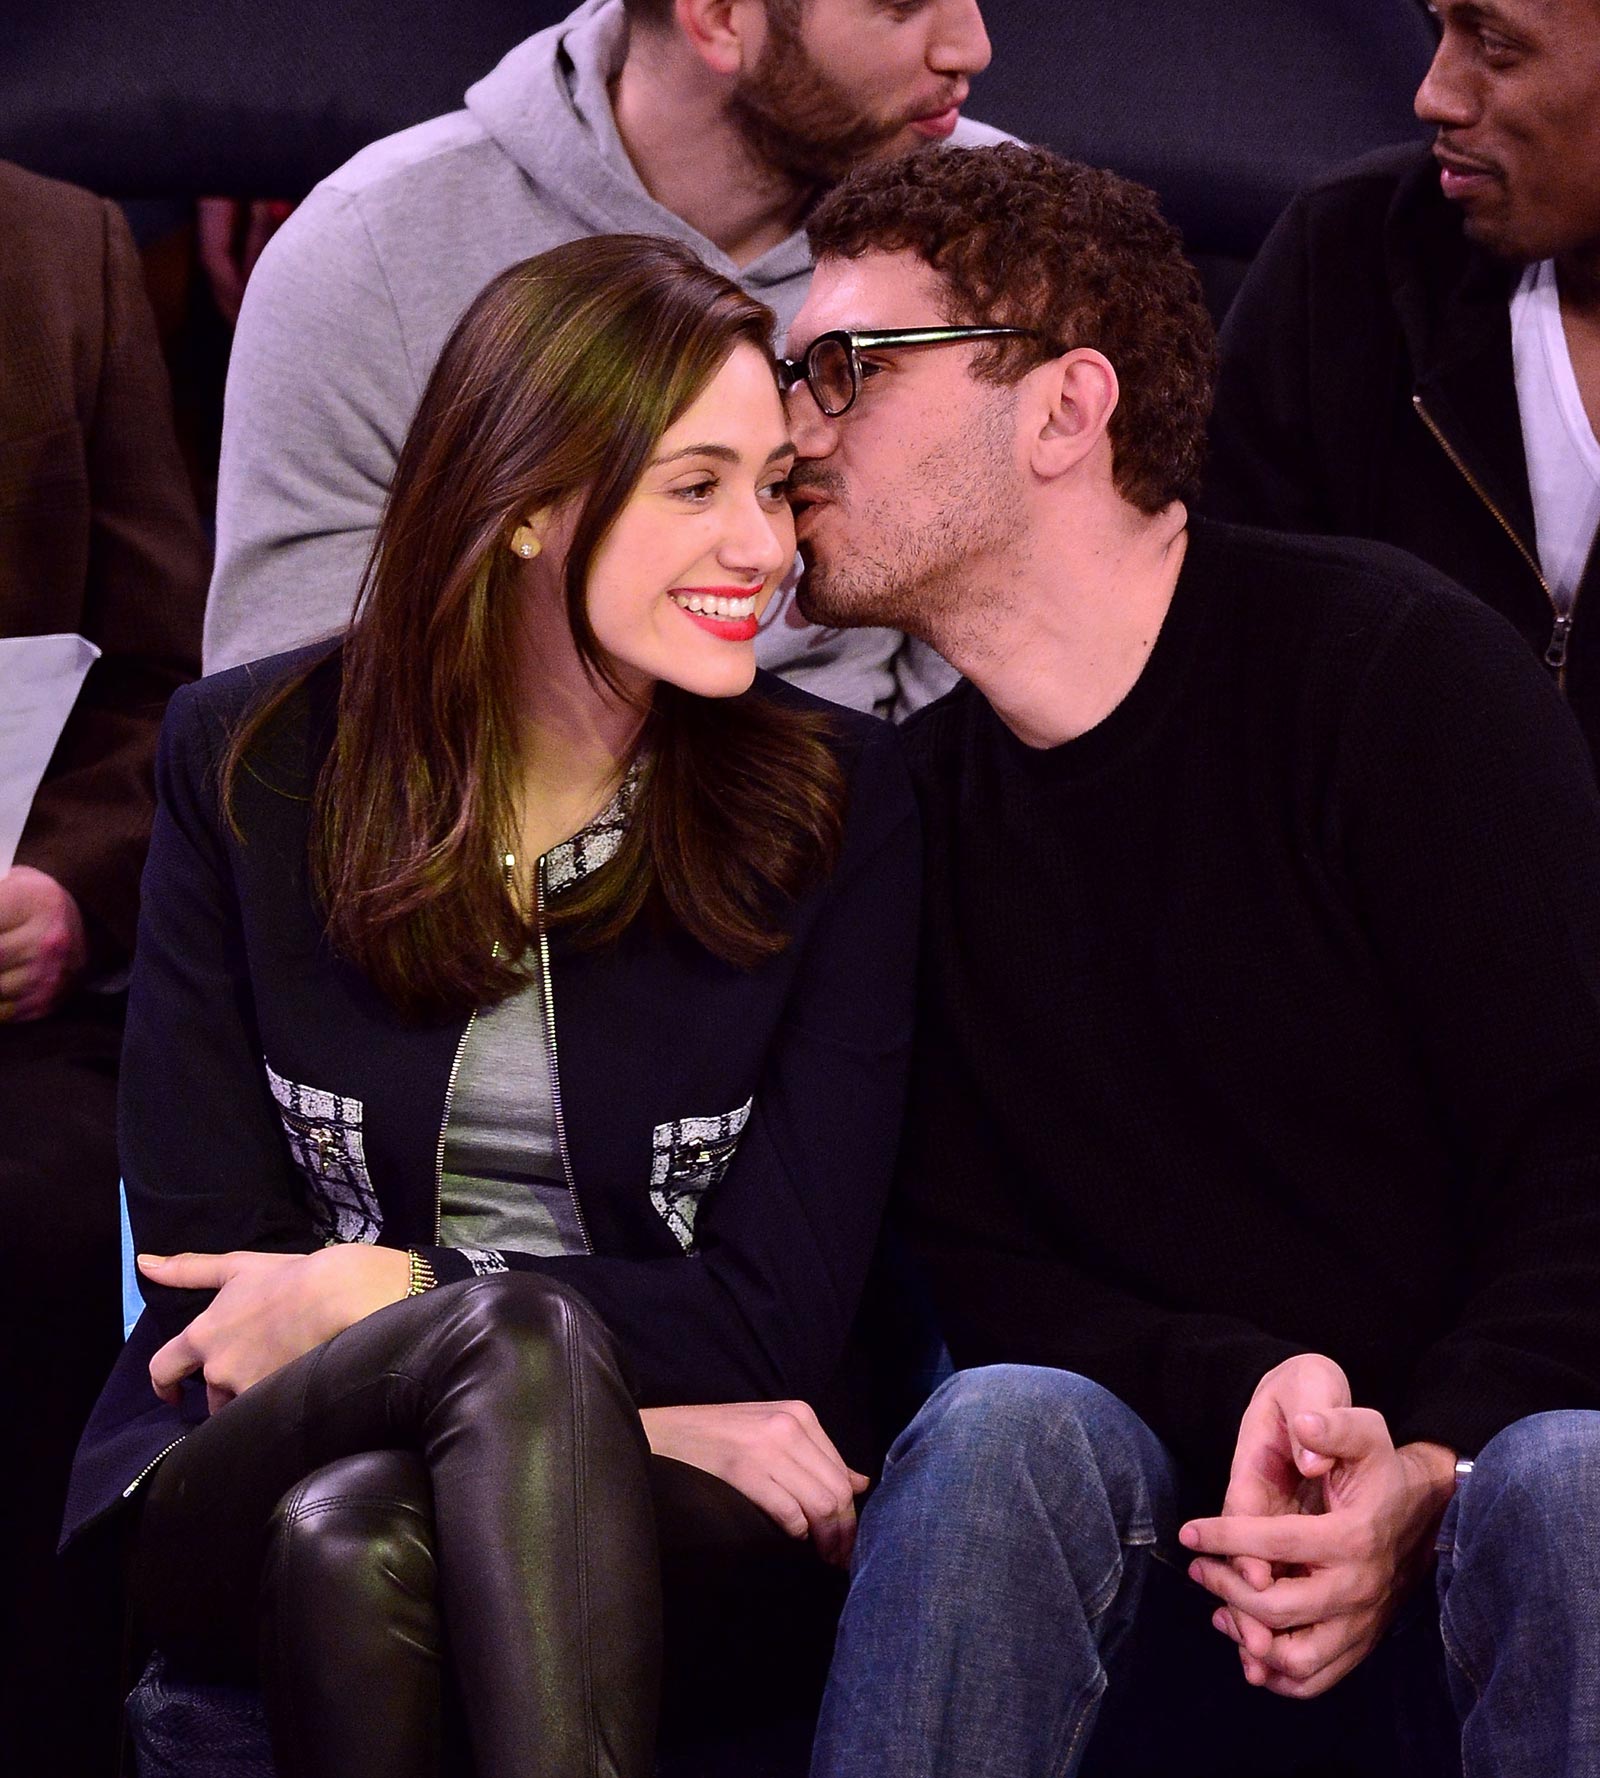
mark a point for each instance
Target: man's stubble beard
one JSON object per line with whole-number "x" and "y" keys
{"x": 928, "y": 581}
{"x": 795, "y": 118}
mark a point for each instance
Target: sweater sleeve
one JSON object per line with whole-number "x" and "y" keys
{"x": 1476, "y": 867}
{"x": 763, "y": 1306}
{"x": 203, "y": 1155}
{"x": 319, "y": 396}
{"x": 1008, "y": 1291}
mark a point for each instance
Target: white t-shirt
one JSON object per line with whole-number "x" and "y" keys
{"x": 1558, "y": 442}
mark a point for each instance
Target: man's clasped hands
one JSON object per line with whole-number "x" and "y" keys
{"x": 1324, "y": 1529}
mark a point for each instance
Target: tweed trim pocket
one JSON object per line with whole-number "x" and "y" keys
{"x": 687, "y": 1157}
{"x": 324, "y": 1134}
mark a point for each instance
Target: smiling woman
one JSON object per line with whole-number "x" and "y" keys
{"x": 440, "y": 1284}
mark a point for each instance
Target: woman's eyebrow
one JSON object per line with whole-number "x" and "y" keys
{"x": 722, "y": 453}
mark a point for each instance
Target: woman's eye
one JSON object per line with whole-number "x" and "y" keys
{"x": 697, "y": 493}
{"x": 775, "y": 491}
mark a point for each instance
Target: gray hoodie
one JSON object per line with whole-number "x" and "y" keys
{"x": 352, "y": 301}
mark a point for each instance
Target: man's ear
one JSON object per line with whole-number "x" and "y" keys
{"x": 1078, "y": 394}
{"x": 726, "y": 34}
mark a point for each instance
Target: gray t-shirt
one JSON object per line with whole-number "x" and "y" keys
{"x": 503, "y": 1186}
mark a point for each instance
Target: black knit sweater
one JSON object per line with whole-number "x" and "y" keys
{"x": 1265, "y": 1017}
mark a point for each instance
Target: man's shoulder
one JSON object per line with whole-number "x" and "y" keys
{"x": 424, "y": 151}
{"x": 52, "y": 227}
{"x": 1385, "y": 212}
{"x": 942, "y": 731}
{"x": 1325, "y": 608}
{"x": 1365, "y": 188}
{"x": 31, "y": 201}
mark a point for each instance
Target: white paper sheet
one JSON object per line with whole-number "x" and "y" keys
{"x": 40, "y": 676}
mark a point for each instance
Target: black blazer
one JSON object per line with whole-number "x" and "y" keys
{"x": 235, "y": 978}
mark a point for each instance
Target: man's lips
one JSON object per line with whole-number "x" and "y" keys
{"x": 1461, "y": 175}
{"x": 804, "y": 503}
{"x": 940, "y": 125}
{"x": 940, "y": 119}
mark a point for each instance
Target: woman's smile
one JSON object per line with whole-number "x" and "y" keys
{"x": 726, "y": 612}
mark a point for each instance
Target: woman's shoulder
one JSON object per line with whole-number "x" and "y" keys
{"x": 848, "y": 731}
{"x": 303, "y": 682}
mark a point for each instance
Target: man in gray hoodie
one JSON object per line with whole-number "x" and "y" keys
{"x": 714, "y": 122}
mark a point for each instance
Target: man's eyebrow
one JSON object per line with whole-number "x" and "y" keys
{"x": 1471, "y": 13}
{"x": 722, "y": 453}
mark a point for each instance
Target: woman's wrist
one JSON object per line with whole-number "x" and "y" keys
{"x": 361, "y": 1279}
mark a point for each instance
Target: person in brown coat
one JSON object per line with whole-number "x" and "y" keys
{"x": 98, "y": 535}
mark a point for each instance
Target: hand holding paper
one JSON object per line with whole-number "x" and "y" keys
{"x": 42, "y": 946}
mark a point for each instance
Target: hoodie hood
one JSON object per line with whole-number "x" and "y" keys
{"x": 547, "y": 105}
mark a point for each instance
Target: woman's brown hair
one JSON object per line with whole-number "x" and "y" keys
{"x": 555, "y": 386}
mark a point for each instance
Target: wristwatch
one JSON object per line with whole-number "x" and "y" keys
{"x": 1463, "y": 1469}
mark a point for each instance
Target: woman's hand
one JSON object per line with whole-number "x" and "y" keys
{"x": 777, "y": 1455}
{"x": 269, "y": 1308}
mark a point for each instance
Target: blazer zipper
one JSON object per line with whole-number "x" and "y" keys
{"x": 444, "y": 1124}
{"x": 133, "y": 1486}
{"x": 1555, "y": 654}
{"x": 555, "y": 1064}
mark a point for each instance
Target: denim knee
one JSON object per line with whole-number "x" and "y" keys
{"x": 1053, "y": 1430}
{"x": 1544, "y": 1472}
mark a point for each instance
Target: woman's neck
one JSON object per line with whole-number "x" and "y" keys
{"x": 576, "y": 743}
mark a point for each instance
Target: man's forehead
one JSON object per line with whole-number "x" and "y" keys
{"x": 875, "y": 290}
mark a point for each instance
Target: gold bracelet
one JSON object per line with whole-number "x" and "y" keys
{"x": 422, "y": 1278}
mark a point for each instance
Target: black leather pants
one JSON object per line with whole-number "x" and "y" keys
{"x": 465, "y": 1466}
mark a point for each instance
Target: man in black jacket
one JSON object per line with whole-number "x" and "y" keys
{"x": 1415, "y": 355}
{"x": 1254, "y": 1141}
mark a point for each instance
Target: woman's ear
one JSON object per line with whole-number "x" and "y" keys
{"x": 1079, "y": 391}
{"x": 526, "y": 540}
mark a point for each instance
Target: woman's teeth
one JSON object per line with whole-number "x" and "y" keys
{"x": 714, "y": 605}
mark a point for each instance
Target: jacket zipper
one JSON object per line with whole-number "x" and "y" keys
{"x": 555, "y": 1065}
{"x": 133, "y": 1486}
{"x": 1555, "y": 654}
{"x": 444, "y": 1123}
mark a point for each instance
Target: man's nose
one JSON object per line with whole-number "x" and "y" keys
{"x": 1446, "y": 96}
{"x": 814, "y": 433}
{"x": 959, "y": 43}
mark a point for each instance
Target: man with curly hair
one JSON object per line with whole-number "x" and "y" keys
{"x": 1254, "y": 1143}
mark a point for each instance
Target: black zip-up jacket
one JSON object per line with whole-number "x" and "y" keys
{"x": 271, "y": 1099}
{"x": 1367, "y": 390}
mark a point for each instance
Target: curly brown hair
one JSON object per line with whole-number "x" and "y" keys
{"x": 1022, "y": 238}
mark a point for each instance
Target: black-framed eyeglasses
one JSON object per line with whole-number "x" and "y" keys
{"x": 830, "y": 367}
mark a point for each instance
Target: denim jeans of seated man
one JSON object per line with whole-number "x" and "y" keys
{"x": 1002, "y": 1560}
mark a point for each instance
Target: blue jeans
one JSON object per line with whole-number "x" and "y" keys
{"x": 1003, "y": 1558}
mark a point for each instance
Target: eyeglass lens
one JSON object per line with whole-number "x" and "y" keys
{"x": 828, "y": 373}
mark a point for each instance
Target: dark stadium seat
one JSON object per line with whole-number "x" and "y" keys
{"x": 1226, "y": 109}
